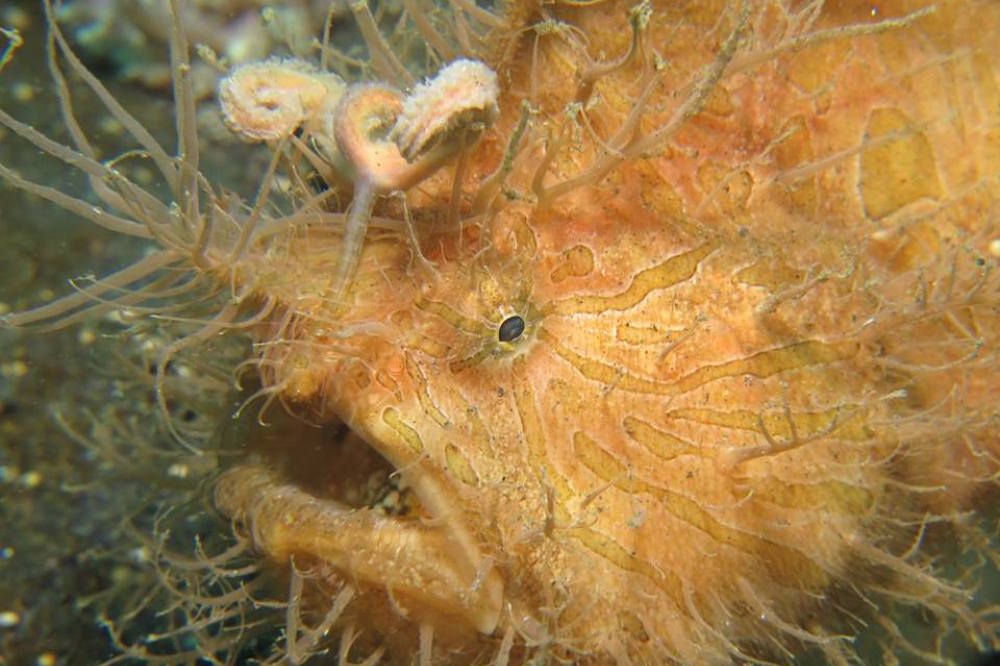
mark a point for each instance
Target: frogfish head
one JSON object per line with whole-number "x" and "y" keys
{"x": 696, "y": 369}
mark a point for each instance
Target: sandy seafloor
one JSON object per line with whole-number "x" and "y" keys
{"x": 64, "y": 554}
{"x": 59, "y": 510}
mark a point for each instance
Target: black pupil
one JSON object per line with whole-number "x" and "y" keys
{"x": 511, "y": 329}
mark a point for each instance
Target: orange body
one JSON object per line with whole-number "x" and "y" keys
{"x": 759, "y": 353}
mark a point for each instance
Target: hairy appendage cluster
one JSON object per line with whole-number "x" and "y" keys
{"x": 369, "y": 134}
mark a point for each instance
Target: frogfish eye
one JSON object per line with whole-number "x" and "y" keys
{"x": 511, "y": 329}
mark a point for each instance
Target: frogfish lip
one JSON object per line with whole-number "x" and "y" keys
{"x": 324, "y": 510}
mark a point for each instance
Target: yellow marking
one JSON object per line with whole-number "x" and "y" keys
{"x": 456, "y": 319}
{"x": 608, "y": 468}
{"x": 659, "y": 443}
{"x": 611, "y": 551}
{"x": 403, "y": 321}
{"x": 425, "y": 344}
{"x": 630, "y": 623}
{"x": 605, "y": 466}
{"x": 604, "y": 373}
{"x": 835, "y": 496}
{"x": 358, "y": 373}
{"x": 469, "y": 361}
{"x": 534, "y": 434}
{"x": 477, "y": 429}
{"x": 770, "y": 273}
{"x": 459, "y": 465}
{"x": 638, "y": 334}
{"x": 785, "y": 563}
{"x": 409, "y": 435}
{"x": 423, "y": 393}
{"x": 792, "y": 149}
{"x": 843, "y": 421}
{"x": 525, "y": 237}
{"x": 431, "y": 347}
{"x": 897, "y": 171}
{"x": 674, "y": 270}
{"x": 386, "y": 381}
{"x": 729, "y": 188}
{"x": 565, "y": 396}
{"x": 767, "y": 363}
{"x": 574, "y": 262}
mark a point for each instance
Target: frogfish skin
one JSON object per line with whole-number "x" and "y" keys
{"x": 690, "y": 358}
{"x": 753, "y": 250}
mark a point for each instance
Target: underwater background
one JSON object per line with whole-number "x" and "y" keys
{"x": 74, "y": 513}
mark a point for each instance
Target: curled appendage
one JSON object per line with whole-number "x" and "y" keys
{"x": 361, "y": 126}
{"x": 388, "y": 143}
{"x": 394, "y": 142}
{"x": 267, "y": 101}
{"x": 362, "y": 123}
{"x": 463, "y": 96}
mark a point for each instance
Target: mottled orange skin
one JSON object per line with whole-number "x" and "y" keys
{"x": 756, "y": 360}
